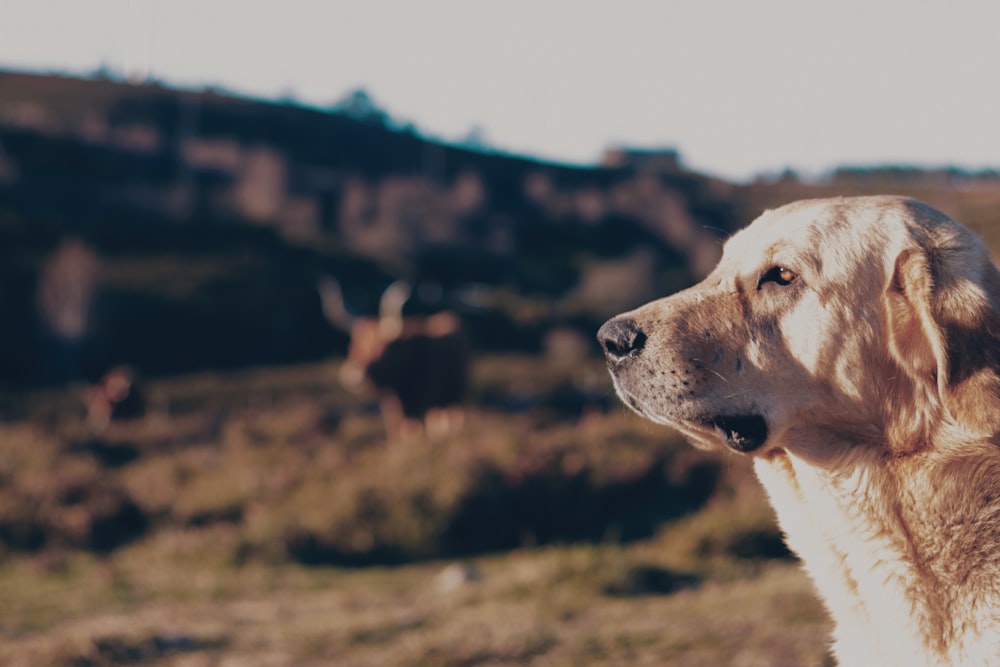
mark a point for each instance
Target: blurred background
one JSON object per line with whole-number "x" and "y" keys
{"x": 226, "y": 440}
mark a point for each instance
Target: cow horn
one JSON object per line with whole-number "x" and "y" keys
{"x": 390, "y": 308}
{"x": 334, "y": 309}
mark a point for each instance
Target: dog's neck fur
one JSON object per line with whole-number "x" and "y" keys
{"x": 897, "y": 595}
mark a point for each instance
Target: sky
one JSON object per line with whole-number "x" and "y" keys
{"x": 739, "y": 88}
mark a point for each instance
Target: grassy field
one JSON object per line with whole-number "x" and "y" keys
{"x": 535, "y": 536}
{"x": 170, "y": 601}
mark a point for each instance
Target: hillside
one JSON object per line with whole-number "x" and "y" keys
{"x": 206, "y": 220}
{"x": 203, "y": 221}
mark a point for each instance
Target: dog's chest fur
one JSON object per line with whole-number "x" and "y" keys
{"x": 904, "y": 566}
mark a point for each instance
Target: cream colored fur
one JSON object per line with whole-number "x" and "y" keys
{"x": 875, "y": 370}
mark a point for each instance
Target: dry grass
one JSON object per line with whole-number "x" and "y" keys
{"x": 229, "y": 469}
{"x": 529, "y": 607}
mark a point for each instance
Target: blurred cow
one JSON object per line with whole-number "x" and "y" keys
{"x": 417, "y": 366}
{"x": 117, "y": 396}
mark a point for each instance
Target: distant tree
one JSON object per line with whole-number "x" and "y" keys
{"x": 788, "y": 175}
{"x": 476, "y": 139}
{"x": 288, "y": 97}
{"x": 360, "y": 106}
{"x": 104, "y": 72}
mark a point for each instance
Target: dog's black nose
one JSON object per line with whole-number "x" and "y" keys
{"x": 621, "y": 338}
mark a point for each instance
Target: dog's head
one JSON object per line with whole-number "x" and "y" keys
{"x": 866, "y": 320}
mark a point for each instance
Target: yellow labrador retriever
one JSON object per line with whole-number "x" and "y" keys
{"x": 850, "y": 346}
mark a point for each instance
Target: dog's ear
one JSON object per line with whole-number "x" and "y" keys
{"x": 917, "y": 345}
{"x": 916, "y": 341}
{"x": 944, "y": 333}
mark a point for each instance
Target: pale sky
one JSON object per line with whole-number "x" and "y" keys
{"x": 738, "y": 87}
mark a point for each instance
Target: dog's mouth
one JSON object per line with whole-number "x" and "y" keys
{"x": 742, "y": 433}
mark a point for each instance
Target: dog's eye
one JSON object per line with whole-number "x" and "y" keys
{"x": 778, "y": 275}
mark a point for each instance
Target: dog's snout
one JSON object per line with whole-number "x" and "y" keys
{"x": 621, "y": 338}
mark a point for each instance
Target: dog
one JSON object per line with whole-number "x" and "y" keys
{"x": 850, "y": 347}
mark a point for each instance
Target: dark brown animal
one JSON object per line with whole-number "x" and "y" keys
{"x": 117, "y": 396}
{"x": 417, "y": 366}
